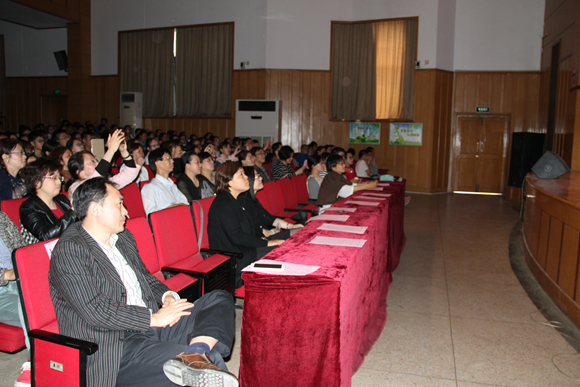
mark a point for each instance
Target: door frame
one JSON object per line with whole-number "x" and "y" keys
{"x": 507, "y": 147}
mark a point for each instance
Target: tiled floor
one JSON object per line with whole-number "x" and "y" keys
{"x": 457, "y": 315}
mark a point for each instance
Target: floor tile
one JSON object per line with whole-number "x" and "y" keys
{"x": 366, "y": 378}
{"x": 419, "y": 295}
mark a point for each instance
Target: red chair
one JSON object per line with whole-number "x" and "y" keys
{"x": 12, "y": 338}
{"x": 276, "y": 202}
{"x": 262, "y": 197}
{"x": 11, "y": 207}
{"x": 115, "y": 170}
{"x": 174, "y": 232}
{"x": 31, "y": 264}
{"x": 290, "y": 198}
{"x": 186, "y": 286}
{"x": 133, "y": 201}
{"x": 299, "y": 185}
{"x": 269, "y": 168}
{"x": 150, "y": 171}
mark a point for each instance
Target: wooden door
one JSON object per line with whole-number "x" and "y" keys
{"x": 479, "y": 152}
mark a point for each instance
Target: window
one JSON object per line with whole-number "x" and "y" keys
{"x": 183, "y": 71}
{"x": 373, "y": 69}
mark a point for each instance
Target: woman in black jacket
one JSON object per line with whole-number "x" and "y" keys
{"x": 230, "y": 227}
{"x": 46, "y": 213}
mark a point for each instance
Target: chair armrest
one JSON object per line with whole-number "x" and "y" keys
{"x": 299, "y": 209}
{"x": 81, "y": 345}
{"x": 222, "y": 252}
{"x": 195, "y": 274}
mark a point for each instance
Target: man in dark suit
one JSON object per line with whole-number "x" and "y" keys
{"x": 103, "y": 293}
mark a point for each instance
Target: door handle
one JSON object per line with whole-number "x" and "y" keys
{"x": 481, "y": 147}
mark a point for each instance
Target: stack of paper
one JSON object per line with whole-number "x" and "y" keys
{"x": 362, "y": 203}
{"x": 346, "y": 242}
{"x": 384, "y": 184}
{"x": 339, "y": 218}
{"x": 376, "y": 194}
{"x": 341, "y": 228}
{"x": 375, "y": 189}
{"x": 370, "y": 197}
{"x": 289, "y": 268}
{"x": 345, "y": 209}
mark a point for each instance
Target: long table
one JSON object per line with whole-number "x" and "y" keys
{"x": 316, "y": 330}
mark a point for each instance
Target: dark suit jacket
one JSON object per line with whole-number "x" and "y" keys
{"x": 90, "y": 299}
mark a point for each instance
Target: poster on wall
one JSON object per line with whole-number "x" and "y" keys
{"x": 406, "y": 134}
{"x": 364, "y": 133}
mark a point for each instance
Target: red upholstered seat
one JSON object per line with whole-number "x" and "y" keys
{"x": 180, "y": 283}
{"x": 268, "y": 167}
{"x": 290, "y": 198}
{"x": 31, "y": 264}
{"x": 262, "y": 197}
{"x": 276, "y": 201}
{"x": 11, "y": 207}
{"x": 200, "y": 210}
{"x": 12, "y": 338}
{"x": 299, "y": 185}
{"x": 177, "y": 249}
{"x": 149, "y": 171}
{"x": 133, "y": 201}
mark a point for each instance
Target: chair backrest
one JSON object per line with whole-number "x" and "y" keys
{"x": 287, "y": 192}
{"x": 174, "y": 233}
{"x": 11, "y": 207}
{"x": 150, "y": 171}
{"x": 32, "y": 264}
{"x": 274, "y": 197}
{"x": 201, "y": 213}
{"x": 115, "y": 170}
{"x": 133, "y": 201}
{"x": 263, "y": 199}
{"x": 299, "y": 184}
{"x": 268, "y": 167}
{"x": 140, "y": 229}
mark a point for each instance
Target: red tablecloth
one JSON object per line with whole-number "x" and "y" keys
{"x": 315, "y": 330}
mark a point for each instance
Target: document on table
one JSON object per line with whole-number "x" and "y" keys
{"x": 346, "y": 242}
{"x": 376, "y": 194}
{"x": 369, "y": 197}
{"x": 345, "y": 209}
{"x": 339, "y": 218}
{"x": 384, "y": 184}
{"x": 375, "y": 189}
{"x": 341, "y": 228}
{"x": 363, "y": 203}
{"x": 289, "y": 268}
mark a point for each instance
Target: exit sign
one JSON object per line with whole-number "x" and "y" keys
{"x": 56, "y": 91}
{"x": 482, "y": 109}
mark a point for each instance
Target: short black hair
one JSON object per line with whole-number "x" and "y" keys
{"x": 338, "y": 149}
{"x": 91, "y": 191}
{"x": 332, "y": 161}
{"x": 362, "y": 153}
{"x": 285, "y": 152}
{"x": 49, "y": 146}
{"x": 76, "y": 163}
{"x": 156, "y": 155}
{"x": 35, "y": 134}
{"x": 34, "y": 172}
{"x": 57, "y": 132}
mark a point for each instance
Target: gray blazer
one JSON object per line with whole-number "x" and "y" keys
{"x": 90, "y": 299}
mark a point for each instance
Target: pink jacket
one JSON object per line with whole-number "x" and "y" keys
{"x": 121, "y": 179}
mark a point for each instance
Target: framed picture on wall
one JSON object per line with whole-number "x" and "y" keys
{"x": 406, "y": 134}
{"x": 364, "y": 133}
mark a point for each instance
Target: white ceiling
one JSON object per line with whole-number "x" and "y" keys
{"x": 20, "y": 14}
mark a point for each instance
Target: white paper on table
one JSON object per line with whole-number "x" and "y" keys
{"x": 369, "y": 197}
{"x": 339, "y": 218}
{"x": 345, "y": 209}
{"x": 375, "y": 189}
{"x": 289, "y": 268}
{"x": 363, "y": 203}
{"x": 346, "y": 242}
{"x": 384, "y": 184}
{"x": 376, "y": 194}
{"x": 342, "y": 228}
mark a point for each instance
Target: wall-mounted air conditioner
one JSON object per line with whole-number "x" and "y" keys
{"x": 258, "y": 119}
{"x": 131, "y": 109}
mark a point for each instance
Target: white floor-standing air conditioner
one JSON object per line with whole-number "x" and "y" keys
{"x": 131, "y": 109}
{"x": 258, "y": 119}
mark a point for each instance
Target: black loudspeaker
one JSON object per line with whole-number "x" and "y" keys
{"x": 61, "y": 60}
{"x": 527, "y": 148}
{"x": 550, "y": 166}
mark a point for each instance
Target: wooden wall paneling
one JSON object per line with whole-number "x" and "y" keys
{"x": 554, "y": 246}
{"x": 569, "y": 260}
{"x": 543, "y": 239}
{"x": 537, "y": 226}
{"x": 441, "y": 145}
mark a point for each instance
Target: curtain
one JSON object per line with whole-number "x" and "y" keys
{"x": 204, "y": 70}
{"x": 395, "y": 67}
{"x": 373, "y": 67}
{"x": 2, "y": 78}
{"x": 353, "y": 77}
{"x": 147, "y": 67}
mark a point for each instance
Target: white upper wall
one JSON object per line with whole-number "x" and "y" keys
{"x": 498, "y": 35}
{"x": 446, "y": 34}
{"x": 29, "y": 52}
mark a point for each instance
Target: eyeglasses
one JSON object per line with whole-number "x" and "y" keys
{"x": 64, "y": 138}
{"x": 93, "y": 161}
{"x": 17, "y": 153}
{"x": 166, "y": 158}
{"x": 340, "y": 163}
{"x": 260, "y": 153}
{"x": 81, "y": 144}
{"x": 54, "y": 177}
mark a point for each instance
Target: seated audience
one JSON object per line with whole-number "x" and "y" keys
{"x": 49, "y": 146}
{"x": 46, "y": 213}
{"x": 61, "y": 155}
{"x": 247, "y": 158}
{"x": 259, "y": 160}
{"x": 362, "y": 166}
{"x": 323, "y": 157}
{"x": 36, "y": 139}
{"x": 83, "y": 165}
{"x": 206, "y": 178}
{"x": 335, "y": 187}
{"x": 372, "y": 161}
{"x": 303, "y": 155}
{"x": 161, "y": 192}
{"x": 230, "y": 228}
{"x": 13, "y": 160}
{"x": 314, "y": 181}
{"x": 226, "y": 153}
{"x": 348, "y": 162}
{"x": 76, "y": 145}
{"x": 136, "y": 151}
{"x": 188, "y": 183}
{"x": 61, "y": 136}
{"x": 283, "y": 169}
{"x": 138, "y": 340}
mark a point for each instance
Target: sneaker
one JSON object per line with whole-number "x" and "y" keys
{"x": 194, "y": 369}
{"x": 24, "y": 379}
